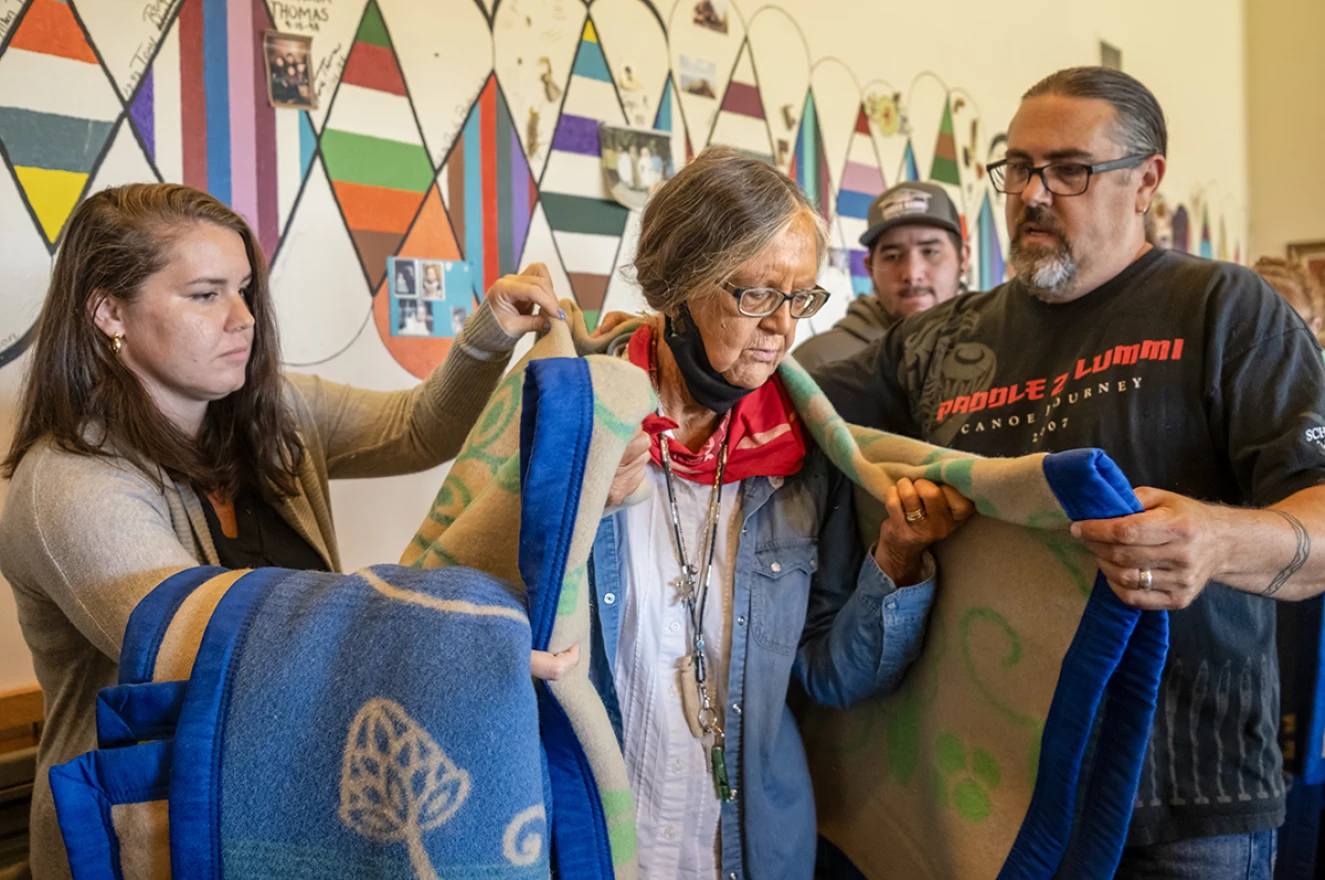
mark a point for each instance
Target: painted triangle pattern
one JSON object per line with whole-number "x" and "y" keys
{"x": 741, "y": 122}
{"x": 586, "y": 224}
{"x": 489, "y": 189}
{"x": 203, "y": 115}
{"x": 669, "y": 120}
{"x": 910, "y": 171}
{"x": 57, "y": 110}
{"x": 373, "y": 149}
{"x": 809, "y": 165}
{"x": 944, "y": 167}
{"x": 992, "y": 268}
{"x": 862, "y": 182}
{"x": 1223, "y": 240}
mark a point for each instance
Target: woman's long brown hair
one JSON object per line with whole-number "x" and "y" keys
{"x": 80, "y": 396}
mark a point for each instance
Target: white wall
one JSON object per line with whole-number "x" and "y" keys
{"x": 1190, "y": 52}
{"x": 1286, "y": 123}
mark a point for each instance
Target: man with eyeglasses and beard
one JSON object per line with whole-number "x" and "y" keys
{"x": 1205, "y": 388}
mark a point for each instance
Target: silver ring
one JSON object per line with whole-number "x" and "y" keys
{"x": 915, "y": 516}
{"x": 1144, "y": 579}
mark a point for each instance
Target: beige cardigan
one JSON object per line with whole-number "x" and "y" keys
{"x": 83, "y": 539}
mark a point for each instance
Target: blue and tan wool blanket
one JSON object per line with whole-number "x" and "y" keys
{"x": 383, "y": 723}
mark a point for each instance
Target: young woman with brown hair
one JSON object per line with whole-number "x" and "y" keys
{"x": 157, "y": 432}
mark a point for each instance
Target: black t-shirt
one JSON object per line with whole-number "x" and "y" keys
{"x": 1195, "y": 377}
{"x": 265, "y": 539}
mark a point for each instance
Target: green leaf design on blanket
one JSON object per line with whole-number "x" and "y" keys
{"x": 965, "y": 778}
{"x": 570, "y": 590}
{"x": 902, "y": 718}
{"x": 618, "y": 810}
{"x": 502, "y": 408}
{"x": 957, "y": 473}
{"x": 970, "y": 620}
{"x": 451, "y": 499}
{"x": 620, "y": 428}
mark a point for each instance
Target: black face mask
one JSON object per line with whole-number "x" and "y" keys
{"x": 706, "y": 385}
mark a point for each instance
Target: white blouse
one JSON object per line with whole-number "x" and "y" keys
{"x": 668, "y": 767}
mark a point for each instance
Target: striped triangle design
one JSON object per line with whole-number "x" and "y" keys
{"x": 373, "y": 148}
{"x": 53, "y": 136}
{"x": 909, "y": 171}
{"x": 862, "y": 181}
{"x": 489, "y": 189}
{"x": 992, "y": 269}
{"x": 809, "y": 165}
{"x": 1223, "y": 241}
{"x": 669, "y": 120}
{"x": 202, "y": 113}
{"x": 944, "y": 167}
{"x": 741, "y": 122}
{"x": 586, "y": 224}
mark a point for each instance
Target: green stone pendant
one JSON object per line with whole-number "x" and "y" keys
{"x": 720, "y": 773}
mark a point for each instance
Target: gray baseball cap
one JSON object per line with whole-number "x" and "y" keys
{"x": 911, "y": 203}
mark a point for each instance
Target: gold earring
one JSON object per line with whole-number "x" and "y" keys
{"x": 116, "y": 343}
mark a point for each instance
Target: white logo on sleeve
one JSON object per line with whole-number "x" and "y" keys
{"x": 1317, "y": 436}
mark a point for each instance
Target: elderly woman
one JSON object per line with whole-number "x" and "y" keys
{"x": 744, "y": 565}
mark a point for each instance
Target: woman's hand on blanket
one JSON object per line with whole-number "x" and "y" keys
{"x": 919, "y": 513}
{"x": 1175, "y": 540}
{"x": 553, "y": 667}
{"x": 513, "y": 299}
{"x": 609, "y": 322}
{"x": 630, "y": 473}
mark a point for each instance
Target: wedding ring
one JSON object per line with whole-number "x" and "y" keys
{"x": 915, "y": 516}
{"x": 1144, "y": 579}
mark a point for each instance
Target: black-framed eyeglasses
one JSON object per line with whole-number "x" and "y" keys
{"x": 760, "y": 302}
{"x": 1060, "y": 178}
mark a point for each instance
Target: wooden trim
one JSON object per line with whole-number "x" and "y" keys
{"x": 21, "y": 707}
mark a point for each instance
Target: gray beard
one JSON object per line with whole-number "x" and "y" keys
{"x": 1047, "y": 274}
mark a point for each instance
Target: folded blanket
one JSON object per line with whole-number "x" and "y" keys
{"x": 278, "y": 724}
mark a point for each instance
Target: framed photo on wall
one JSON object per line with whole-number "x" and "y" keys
{"x": 289, "y": 59}
{"x": 1312, "y": 255}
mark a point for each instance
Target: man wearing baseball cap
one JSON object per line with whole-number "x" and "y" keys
{"x": 916, "y": 257}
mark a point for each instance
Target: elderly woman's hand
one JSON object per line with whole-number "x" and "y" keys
{"x": 513, "y": 298}
{"x": 919, "y": 513}
{"x": 630, "y": 473}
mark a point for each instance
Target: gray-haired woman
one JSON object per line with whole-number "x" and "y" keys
{"x": 710, "y": 595}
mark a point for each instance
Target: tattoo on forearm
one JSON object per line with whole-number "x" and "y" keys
{"x": 1300, "y": 554}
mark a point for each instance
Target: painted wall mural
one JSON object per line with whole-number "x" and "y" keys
{"x": 463, "y": 130}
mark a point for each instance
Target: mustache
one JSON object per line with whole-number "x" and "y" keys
{"x": 909, "y": 291}
{"x": 1038, "y": 215}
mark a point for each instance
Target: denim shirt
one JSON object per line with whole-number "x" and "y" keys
{"x": 808, "y": 600}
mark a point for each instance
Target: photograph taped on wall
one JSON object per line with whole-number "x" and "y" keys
{"x": 1312, "y": 255}
{"x": 636, "y": 162}
{"x": 712, "y": 14}
{"x": 698, "y": 77}
{"x": 289, "y": 60}
{"x": 429, "y": 297}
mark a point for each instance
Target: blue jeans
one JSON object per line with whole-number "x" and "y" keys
{"x": 1229, "y": 857}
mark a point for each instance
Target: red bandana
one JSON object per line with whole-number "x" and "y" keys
{"x": 767, "y": 437}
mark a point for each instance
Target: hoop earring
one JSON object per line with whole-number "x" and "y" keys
{"x": 116, "y": 343}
